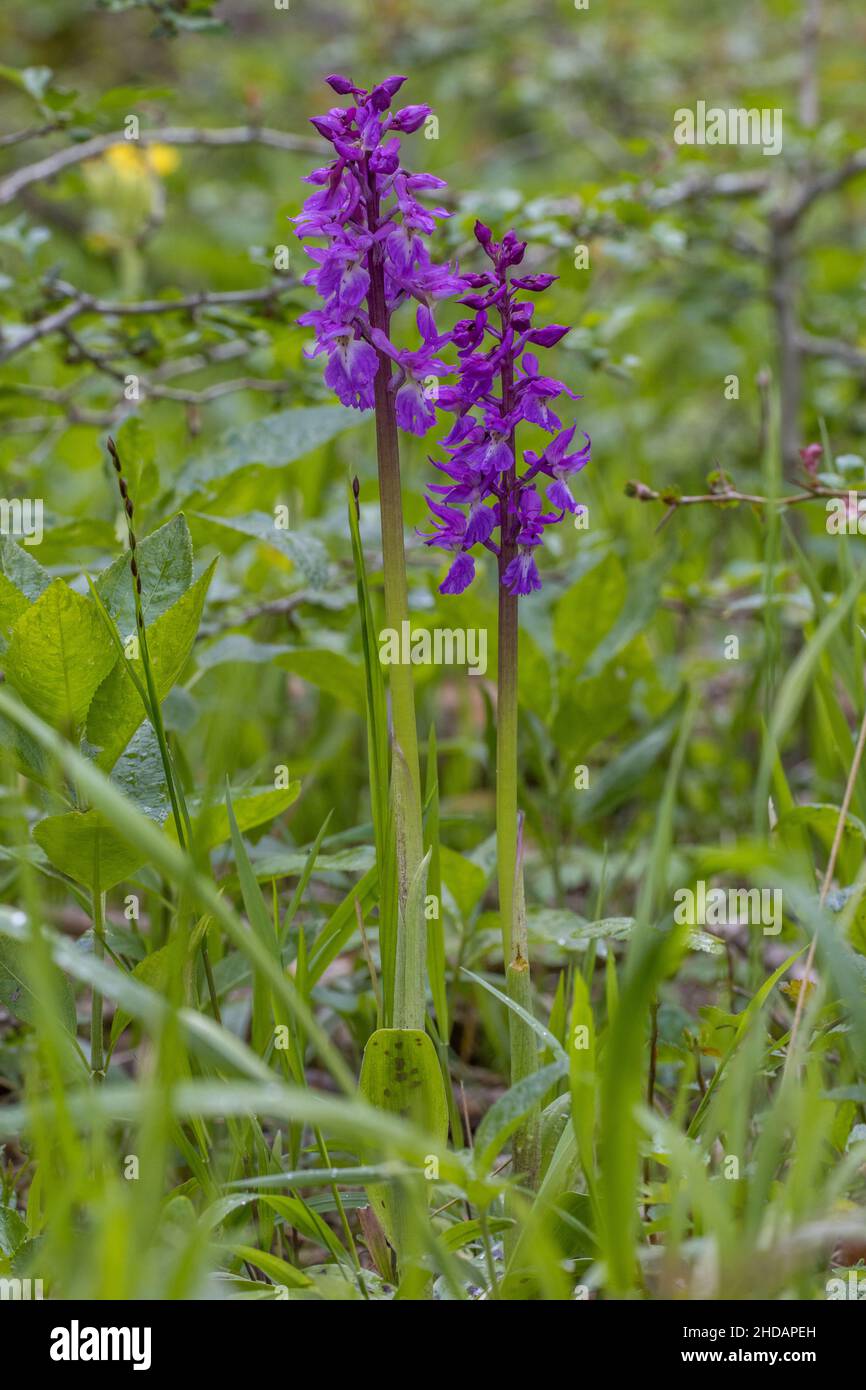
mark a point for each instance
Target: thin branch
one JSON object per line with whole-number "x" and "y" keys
{"x": 200, "y": 299}
{"x": 816, "y": 188}
{"x": 213, "y": 392}
{"x": 52, "y": 323}
{"x": 32, "y": 133}
{"x": 753, "y": 184}
{"x": 82, "y": 303}
{"x": 148, "y": 387}
{"x": 694, "y": 186}
{"x": 728, "y": 495}
{"x": 813, "y": 346}
{"x": 70, "y": 155}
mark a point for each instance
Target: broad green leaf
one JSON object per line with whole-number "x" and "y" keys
{"x": 22, "y": 570}
{"x": 13, "y": 1231}
{"x": 587, "y": 611}
{"x": 619, "y": 779}
{"x": 823, "y": 821}
{"x": 253, "y": 806}
{"x": 400, "y": 1074}
{"x": 506, "y": 1114}
{"x": 154, "y": 971}
{"x": 59, "y": 654}
{"x": 86, "y": 847}
{"x": 35, "y": 81}
{"x": 140, "y": 774}
{"x": 464, "y": 880}
{"x": 237, "y": 647}
{"x": 164, "y": 561}
{"x": 272, "y": 441}
{"x": 12, "y": 605}
{"x": 16, "y": 992}
{"x": 27, "y": 756}
{"x": 635, "y": 616}
{"x": 117, "y": 710}
{"x": 573, "y": 933}
{"x": 304, "y": 550}
{"x": 137, "y": 446}
{"x": 330, "y": 671}
{"x": 280, "y": 1271}
{"x": 286, "y": 863}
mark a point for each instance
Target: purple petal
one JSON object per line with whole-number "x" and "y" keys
{"x": 549, "y": 336}
{"x": 560, "y": 495}
{"x": 342, "y": 85}
{"x": 414, "y": 412}
{"x": 460, "y": 575}
{"x": 410, "y": 118}
{"x": 521, "y": 576}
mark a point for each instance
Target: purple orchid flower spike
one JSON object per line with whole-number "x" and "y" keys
{"x": 500, "y": 386}
{"x": 366, "y": 209}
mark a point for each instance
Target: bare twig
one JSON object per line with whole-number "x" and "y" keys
{"x": 672, "y": 500}
{"x": 825, "y": 183}
{"x": 31, "y": 133}
{"x": 82, "y": 303}
{"x": 70, "y": 155}
{"x": 835, "y": 348}
{"x": 696, "y": 186}
{"x": 43, "y": 328}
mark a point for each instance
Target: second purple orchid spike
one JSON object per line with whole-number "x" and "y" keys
{"x": 499, "y": 386}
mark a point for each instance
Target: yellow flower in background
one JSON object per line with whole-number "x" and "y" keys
{"x": 162, "y": 159}
{"x": 131, "y": 161}
{"x": 125, "y": 192}
{"x": 125, "y": 160}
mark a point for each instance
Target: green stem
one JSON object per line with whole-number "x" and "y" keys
{"x": 409, "y": 986}
{"x": 97, "y": 1054}
{"x": 526, "y": 1144}
{"x": 506, "y": 758}
{"x": 506, "y": 698}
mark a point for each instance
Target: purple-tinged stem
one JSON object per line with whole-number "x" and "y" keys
{"x": 409, "y": 984}
{"x": 525, "y": 1147}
